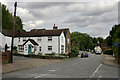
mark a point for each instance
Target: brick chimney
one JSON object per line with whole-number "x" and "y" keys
{"x": 55, "y": 27}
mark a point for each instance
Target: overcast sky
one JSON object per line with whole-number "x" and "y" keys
{"x": 94, "y": 18}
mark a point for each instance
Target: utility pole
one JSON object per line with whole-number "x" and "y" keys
{"x": 13, "y": 34}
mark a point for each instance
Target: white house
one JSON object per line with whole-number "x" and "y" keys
{"x": 43, "y": 41}
{"x": 4, "y": 39}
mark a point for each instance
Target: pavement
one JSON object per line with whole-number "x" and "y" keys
{"x": 110, "y": 60}
{"x": 21, "y": 63}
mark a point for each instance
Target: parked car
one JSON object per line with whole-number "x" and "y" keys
{"x": 84, "y": 54}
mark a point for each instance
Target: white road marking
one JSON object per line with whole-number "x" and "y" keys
{"x": 41, "y": 75}
{"x": 50, "y": 71}
{"x": 100, "y": 76}
{"x": 96, "y": 71}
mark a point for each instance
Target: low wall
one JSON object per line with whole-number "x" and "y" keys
{"x": 5, "y": 57}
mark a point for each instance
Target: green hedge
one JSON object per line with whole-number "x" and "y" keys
{"x": 109, "y": 52}
{"x": 50, "y": 54}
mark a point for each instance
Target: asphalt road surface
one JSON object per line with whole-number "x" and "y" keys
{"x": 90, "y": 67}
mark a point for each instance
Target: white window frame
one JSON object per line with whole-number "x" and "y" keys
{"x": 24, "y": 39}
{"x": 62, "y": 48}
{"x": 35, "y": 48}
{"x": 50, "y": 48}
{"x": 62, "y": 39}
{"x": 21, "y": 48}
{"x": 40, "y": 48}
{"x": 18, "y": 39}
{"x": 39, "y": 39}
{"x": 49, "y": 38}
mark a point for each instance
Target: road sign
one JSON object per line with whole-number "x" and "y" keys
{"x": 115, "y": 44}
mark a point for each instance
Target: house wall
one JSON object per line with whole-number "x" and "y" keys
{"x": 8, "y": 41}
{"x": 68, "y": 43}
{"x": 44, "y": 43}
{"x": 26, "y": 48}
{"x": 2, "y": 42}
{"x": 5, "y": 40}
{"x": 62, "y": 42}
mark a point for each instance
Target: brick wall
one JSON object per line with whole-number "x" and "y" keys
{"x": 68, "y": 45}
{"x": 5, "y": 57}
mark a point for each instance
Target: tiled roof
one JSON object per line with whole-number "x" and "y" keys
{"x": 32, "y": 41}
{"x": 36, "y": 33}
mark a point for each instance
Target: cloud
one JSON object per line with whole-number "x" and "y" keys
{"x": 88, "y": 17}
{"x": 92, "y": 9}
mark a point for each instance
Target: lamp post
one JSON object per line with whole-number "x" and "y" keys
{"x": 13, "y": 34}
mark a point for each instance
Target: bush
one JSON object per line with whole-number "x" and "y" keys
{"x": 109, "y": 52}
{"x": 50, "y": 54}
{"x": 74, "y": 52}
{"x": 15, "y": 48}
{"x": 39, "y": 54}
{"x": 63, "y": 54}
{"x": 15, "y": 52}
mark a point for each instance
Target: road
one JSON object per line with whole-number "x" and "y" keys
{"x": 90, "y": 67}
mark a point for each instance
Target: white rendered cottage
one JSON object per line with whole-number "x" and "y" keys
{"x": 43, "y": 41}
{"x": 4, "y": 39}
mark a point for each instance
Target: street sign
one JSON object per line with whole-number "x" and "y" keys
{"x": 115, "y": 44}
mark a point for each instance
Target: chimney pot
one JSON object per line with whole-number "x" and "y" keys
{"x": 54, "y": 27}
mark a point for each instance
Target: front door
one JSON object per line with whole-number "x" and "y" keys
{"x": 29, "y": 48}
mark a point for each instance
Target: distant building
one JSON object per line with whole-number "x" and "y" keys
{"x": 104, "y": 46}
{"x": 101, "y": 47}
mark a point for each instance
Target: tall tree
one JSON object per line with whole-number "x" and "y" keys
{"x": 7, "y": 20}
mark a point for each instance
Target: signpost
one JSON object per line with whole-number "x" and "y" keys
{"x": 13, "y": 34}
{"x": 115, "y": 44}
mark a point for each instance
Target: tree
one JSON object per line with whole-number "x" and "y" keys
{"x": 81, "y": 40}
{"x": 114, "y": 37}
{"x": 7, "y": 20}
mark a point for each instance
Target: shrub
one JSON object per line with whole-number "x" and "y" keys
{"x": 39, "y": 54}
{"x": 74, "y": 52}
{"x": 108, "y": 51}
{"x": 15, "y": 48}
{"x": 15, "y": 52}
{"x": 63, "y": 54}
{"x": 50, "y": 54}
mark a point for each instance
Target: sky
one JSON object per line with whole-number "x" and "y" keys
{"x": 95, "y": 18}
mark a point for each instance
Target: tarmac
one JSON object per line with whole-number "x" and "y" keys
{"x": 30, "y": 63}
{"x": 26, "y": 64}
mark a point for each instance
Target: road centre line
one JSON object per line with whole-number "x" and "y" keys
{"x": 96, "y": 70}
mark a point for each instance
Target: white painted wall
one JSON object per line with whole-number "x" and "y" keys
{"x": 4, "y": 40}
{"x": 8, "y": 41}
{"x": 44, "y": 43}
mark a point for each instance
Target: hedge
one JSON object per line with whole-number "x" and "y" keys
{"x": 108, "y": 51}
